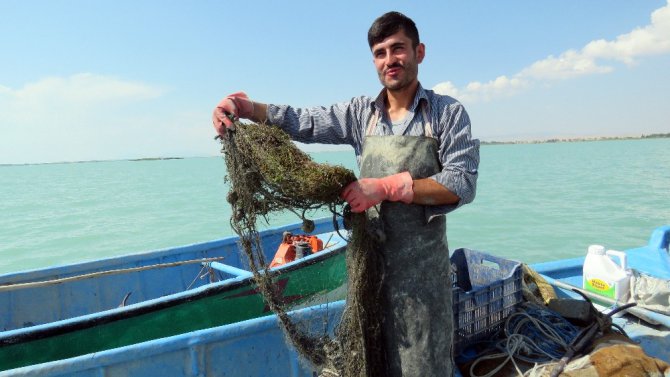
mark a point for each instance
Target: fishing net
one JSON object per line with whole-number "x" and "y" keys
{"x": 267, "y": 173}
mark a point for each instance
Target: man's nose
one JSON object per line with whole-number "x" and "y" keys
{"x": 391, "y": 59}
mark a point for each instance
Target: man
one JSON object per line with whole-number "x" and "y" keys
{"x": 418, "y": 162}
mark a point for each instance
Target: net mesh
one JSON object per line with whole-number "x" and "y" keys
{"x": 267, "y": 173}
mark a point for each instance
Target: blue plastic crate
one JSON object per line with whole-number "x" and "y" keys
{"x": 487, "y": 289}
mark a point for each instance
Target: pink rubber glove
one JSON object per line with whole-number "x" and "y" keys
{"x": 368, "y": 192}
{"x": 238, "y": 105}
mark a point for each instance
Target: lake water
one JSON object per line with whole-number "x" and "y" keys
{"x": 534, "y": 202}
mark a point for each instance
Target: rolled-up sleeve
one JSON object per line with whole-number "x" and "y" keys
{"x": 459, "y": 156}
{"x": 344, "y": 123}
{"x": 336, "y": 124}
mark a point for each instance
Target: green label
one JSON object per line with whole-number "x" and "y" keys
{"x": 600, "y": 287}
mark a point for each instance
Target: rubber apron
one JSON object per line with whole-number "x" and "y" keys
{"x": 416, "y": 288}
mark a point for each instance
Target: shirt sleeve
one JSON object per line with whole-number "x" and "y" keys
{"x": 459, "y": 157}
{"x": 337, "y": 124}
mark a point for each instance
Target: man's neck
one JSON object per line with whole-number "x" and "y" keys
{"x": 399, "y": 101}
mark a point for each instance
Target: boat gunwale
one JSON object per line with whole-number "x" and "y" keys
{"x": 87, "y": 321}
{"x": 190, "y": 340}
{"x": 71, "y": 269}
{"x": 173, "y": 343}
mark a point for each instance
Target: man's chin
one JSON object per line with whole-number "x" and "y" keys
{"x": 395, "y": 85}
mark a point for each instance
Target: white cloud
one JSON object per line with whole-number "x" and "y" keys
{"x": 72, "y": 118}
{"x": 502, "y": 85}
{"x": 78, "y": 96}
{"x": 569, "y": 64}
{"x": 84, "y": 88}
{"x": 447, "y": 87}
{"x": 476, "y": 91}
{"x": 653, "y": 39}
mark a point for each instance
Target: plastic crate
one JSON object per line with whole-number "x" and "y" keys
{"x": 487, "y": 289}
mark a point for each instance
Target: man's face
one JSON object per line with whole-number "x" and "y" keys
{"x": 396, "y": 61}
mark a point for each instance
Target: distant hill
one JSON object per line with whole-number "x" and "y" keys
{"x": 571, "y": 140}
{"x": 155, "y": 158}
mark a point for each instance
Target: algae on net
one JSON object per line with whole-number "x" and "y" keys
{"x": 277, "y": 174}
{"x": 268, "y": 173}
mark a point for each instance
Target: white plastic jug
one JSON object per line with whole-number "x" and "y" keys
{"x": 604, "y": 276}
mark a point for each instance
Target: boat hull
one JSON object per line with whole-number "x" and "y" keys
{"x": 318, "y": 278}
{"x": 255, "y": 347}
{"x": 650, "y": 329}
{"x": 258, "y": 347}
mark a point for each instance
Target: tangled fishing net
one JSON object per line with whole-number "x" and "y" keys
{"x": 268, "y": 173}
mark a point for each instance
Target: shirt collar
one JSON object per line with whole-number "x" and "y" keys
{"x": 421, "y": 94}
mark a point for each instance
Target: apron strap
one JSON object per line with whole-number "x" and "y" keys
{"x": 427, "y": 126}
{"x": 373, "y": 123}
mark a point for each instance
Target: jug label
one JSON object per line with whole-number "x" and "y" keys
{"x": 599, "y": 286}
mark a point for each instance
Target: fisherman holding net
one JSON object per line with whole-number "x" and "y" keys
{"x": 417, "y": 162}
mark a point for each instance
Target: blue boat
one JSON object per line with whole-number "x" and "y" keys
{"x": 257, "y": 347}
{"x": 63, "y": 312}
{"x": 650, "y": 328}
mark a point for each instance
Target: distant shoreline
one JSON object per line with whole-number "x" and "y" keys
{"x": 89, "y": 161}
{"x": 539, "y": 141}
{"x": 578, "y": 139}
{"x": 155, "y": 158}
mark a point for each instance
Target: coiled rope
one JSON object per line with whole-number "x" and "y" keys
{"x": 535, "y": 335}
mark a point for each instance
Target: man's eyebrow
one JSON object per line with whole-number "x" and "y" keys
{"x": 393, "y": 45}
{"x": 376, "y": 50}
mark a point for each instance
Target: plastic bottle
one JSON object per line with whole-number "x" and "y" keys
{"x": 604, "y": 276}
{"x": 302, "y": 248}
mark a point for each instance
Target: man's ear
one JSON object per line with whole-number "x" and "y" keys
{"x": 420, "y": 52}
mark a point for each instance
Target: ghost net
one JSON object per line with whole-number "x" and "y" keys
{"x": 267, "y": 173}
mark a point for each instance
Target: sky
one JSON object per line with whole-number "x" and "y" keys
{"x": 100, "y": 80}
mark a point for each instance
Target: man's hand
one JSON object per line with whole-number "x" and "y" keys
{"x": 238, "y": 105}
{"x": 367, "y": 192}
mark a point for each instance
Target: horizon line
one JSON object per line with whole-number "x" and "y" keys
{"x": 344, "y": 148}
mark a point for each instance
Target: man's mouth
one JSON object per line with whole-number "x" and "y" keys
{"x": 392, "y": 71}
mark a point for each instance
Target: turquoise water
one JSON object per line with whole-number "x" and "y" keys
{"x": 535, "y": 202}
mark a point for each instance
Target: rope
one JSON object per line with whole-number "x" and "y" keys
{"x": 534, "y": 335}
{"x": 35, "y": 284}
{"x": 548, "y": 333}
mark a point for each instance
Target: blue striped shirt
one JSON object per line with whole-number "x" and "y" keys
{"x": 346, "y": 123}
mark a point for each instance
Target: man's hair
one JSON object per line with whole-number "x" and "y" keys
{"x": 389, "y": 24}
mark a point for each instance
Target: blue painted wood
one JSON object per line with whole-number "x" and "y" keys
{"x": 258, "y": 348}
{"x": 238, "y": 272}
{"x": 27, "y": 307}
{"x": 651, "y": 259}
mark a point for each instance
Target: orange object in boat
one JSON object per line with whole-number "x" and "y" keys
{"x": 293, "y": 247}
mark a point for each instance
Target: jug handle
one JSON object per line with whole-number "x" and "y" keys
{"x": 620, "y": 255}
